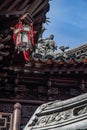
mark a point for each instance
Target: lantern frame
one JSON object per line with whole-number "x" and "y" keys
{"x": 23, "y": 36}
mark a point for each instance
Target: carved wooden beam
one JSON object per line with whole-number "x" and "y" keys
{"x": 34, "y": 102}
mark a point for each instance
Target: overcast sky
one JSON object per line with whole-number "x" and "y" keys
{"x": 68, "y": 22}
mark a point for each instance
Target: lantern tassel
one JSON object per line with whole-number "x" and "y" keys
{"x": 26, "y": 55}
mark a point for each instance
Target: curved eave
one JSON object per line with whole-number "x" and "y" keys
{"x": 60, "y": 60}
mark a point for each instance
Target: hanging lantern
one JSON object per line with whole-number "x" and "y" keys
{"x": 23, "y": 37}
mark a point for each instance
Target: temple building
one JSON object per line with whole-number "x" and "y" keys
{"x": 36, "y": 78}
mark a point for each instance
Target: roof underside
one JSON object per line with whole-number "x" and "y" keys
{"x": 11, "y": 11}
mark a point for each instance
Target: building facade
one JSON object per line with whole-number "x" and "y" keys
{"x": 32, "y": 71}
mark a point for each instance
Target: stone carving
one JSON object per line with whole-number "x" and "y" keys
{"x": 46, "y": 46}
{"x": 62, "y": 115}
{"x": 55, "y": 104}
{"x": 49, "y": 105}
{"x": 80, "y": 110}
{"x": 53, "y": 118}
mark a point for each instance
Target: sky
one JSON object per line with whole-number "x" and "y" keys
{"x": 68, "y": 22}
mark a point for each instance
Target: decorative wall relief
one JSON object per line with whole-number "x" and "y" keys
{"x": 61, "y": 116}
{"x": 80, "y": 110}
{"x": 54, "y": 118}
{"x": 70, "y": 114}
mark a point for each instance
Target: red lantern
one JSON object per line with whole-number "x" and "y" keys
{"x": 23, "y": 37}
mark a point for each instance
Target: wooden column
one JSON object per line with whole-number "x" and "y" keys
{"x": 17, "y": 116}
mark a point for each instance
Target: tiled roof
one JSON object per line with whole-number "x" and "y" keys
{"x": 10, "y": 13}
{"x": 72, "y": 56}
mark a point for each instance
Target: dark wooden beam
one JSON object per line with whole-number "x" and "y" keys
{"x": 28, "y": 102}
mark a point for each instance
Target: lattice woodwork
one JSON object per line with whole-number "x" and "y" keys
{"x": 6, "y": 121}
